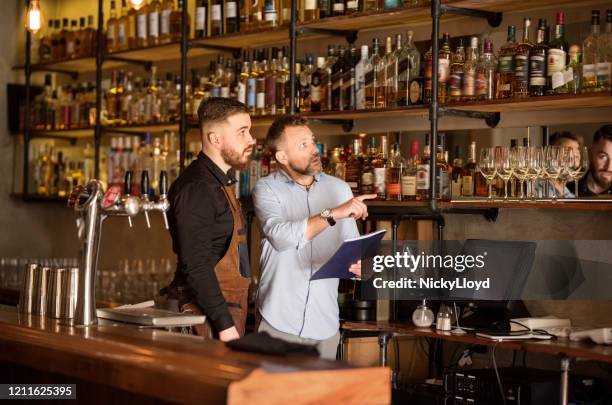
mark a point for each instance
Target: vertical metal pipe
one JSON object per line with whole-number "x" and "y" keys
{"x": 183, "y": 95}
{"x": 433, "y": 106}
{"x": 99, "y": 62}
{"x": 26, "y": 114}
{"x": 292, "y": 50}
{"x": 564, "y": 389}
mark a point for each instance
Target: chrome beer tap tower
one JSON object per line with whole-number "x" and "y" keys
{"x": 92, "y": 206}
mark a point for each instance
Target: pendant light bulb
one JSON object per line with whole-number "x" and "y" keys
{"x": 137, "y": 3}
{"x": 34, "y": 18}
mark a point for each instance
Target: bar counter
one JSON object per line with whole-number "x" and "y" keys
{"x": 155, "y": 366}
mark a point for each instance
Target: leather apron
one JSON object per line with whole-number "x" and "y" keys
{"x": 234, "y": 286}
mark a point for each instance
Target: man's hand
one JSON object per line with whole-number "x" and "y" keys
{"x": 229, "y": 334}
{"x": 356, "y": 269}
{"x": 353, "y": 208}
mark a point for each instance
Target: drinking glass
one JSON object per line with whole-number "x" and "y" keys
{"x": 486, "y": 166}
{"x": 521, "y": 167}
{"x": 566, "y": 157}
{"x": 504, "y": 166}
{"x": 579, "y": 166}
{"x": 552, "y": 167}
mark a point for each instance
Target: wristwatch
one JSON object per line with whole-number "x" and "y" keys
{"x": 327, "y": 215}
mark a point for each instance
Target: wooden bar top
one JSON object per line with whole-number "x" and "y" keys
{"x": 582, "y": 349}
{"x": 179, "y": 368}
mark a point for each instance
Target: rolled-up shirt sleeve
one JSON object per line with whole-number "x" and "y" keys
{"x": 194, "y": 212}
{"x": 281, "y": 233}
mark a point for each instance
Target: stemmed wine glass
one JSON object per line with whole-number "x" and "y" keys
{"x": 566, "y": 157}
{"x": 521, "y": 167}
{"x": 534, "y": 167}
{"x": 504, "y": 166}
{"x": 552, "y": 167}
{"x": 486, "y": 166}
{"x": 579, "y": 166}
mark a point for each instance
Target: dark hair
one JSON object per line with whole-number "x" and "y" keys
{"x": 559, "y": 136}
{"x": 605, "y": 132}
{"x": 218, "y": 109}
{"x": 280, "y": 124}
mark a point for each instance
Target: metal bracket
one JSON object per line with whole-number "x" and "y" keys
{"x": 349, "y": 35}
{"x": 490, "y": 118}
{"x": 347, "y": 125}
{"x": 146, "y": 64}
{"x": 493, "y": 18}
{"x": 73, "y": 75}
{"x": 198, "y": 45}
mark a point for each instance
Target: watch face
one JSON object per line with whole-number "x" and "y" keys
{"x": 326, "y": 213}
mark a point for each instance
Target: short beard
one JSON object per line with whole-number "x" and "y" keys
{"x": 234, "y": 159}
{"x": 307, "y": 171}
{"x": 601, "y": 182}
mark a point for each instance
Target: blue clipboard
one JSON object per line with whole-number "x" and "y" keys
{"x": 351, "y": 251}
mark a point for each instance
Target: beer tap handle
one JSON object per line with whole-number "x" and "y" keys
{"x": 163, "y": 192}
{"x": 127, "y": 189}
{"x": 144, "y": 191}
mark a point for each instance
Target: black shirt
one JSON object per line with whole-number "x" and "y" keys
{"x": 201, "y": 225}
{"x": 583, "y": 188}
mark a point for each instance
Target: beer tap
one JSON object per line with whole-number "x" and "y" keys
{"x": 127, "y": 190}
{"x": 162, "y": 205}
{"x": 144, "y": 195}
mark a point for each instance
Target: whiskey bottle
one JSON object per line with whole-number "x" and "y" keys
{"x": 176, "y": 23}
{"x": 45, "y": 49}
{"x": 154, "y": 22}
{"x": 142, "y": 26}
{"x": 423, "y": 172}
{"x": 468, "y": 88}
{"x": 256, "y": 13}
{"x": 132, "y": 30}
{"x": 232, "y": 21}
{"x": 311, "y": 10}
{"x": 352, "y": 7}
{"x": 349, "y": 79}
{"x": 505, "y": 67}
{"x": 260, "y": 106}
{"x": 354, "y": 167}
{"x": 55, "y": 41}
{"x": 165, "y": 21}
{"x": 201, "y": 20}
{"x": 537, "y": 62}
{"x": 271, "y": 76}
{"x": 573, "y": 75}
{"x": 485, "y": 73}
{"x": 317, "y": 87}
{"x": 395, "y": 170}
{"x": 122, "y": 26}
{"x": 270, "y": 12}
{"x": 409, "y": 175}
{"x": 216, "y": 18}
{"x": 456, "y": 175}
{"x": 442, "y": 178}
{"x": 590, "y": 55}
{"x": 522, "y": 51}
{"x": 71, "y": 40}
{"x": 402, "y": 71}
{"x": 557, "y": 58}
{"x": 469, "y": 173}
{"x": 390, "y": 77}
{"x": 252, "y": 85}
{"x": 338, "y": 8}
{"x": 282, "y": 80}
{"x": 80, "y": 39}
{"x": 380, "y": 165}
{"x": 111, "y": 30}
{"x": 604, "y": 66}
{"x": 245, "y": 15}
{"x": 367, "y": 176}
{"x": 362, "y": 70}
{"x": 305, "y": 84}
{"x": 337, "y": 78}
{"x": 444, "y": 68}
{"x": 456, "y": 73}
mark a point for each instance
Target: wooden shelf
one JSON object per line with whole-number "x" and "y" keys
{"x": 250, "y": 39}
{"x": 484, "y": 204}
{"x": 63, "y": 133}
{"x": 422, "y": 14}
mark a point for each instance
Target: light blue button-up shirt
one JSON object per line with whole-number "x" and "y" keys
{"x": 287, "y": 300}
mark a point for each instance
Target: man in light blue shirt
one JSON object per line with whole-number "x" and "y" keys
{"x": 305, "y": 215}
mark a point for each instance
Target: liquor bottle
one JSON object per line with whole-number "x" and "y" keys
{"x": 338, "y": 8}
{"x": 45, "y": 49}
{"x": 362, "y": 70}
{"x": 469, "y": 174}
{"x": 444, "y": 68}
{"x": 131, "y": 27}
{"x": 388, "y": 4}
{"x": 244, "y": 15}
{"x": 423, "y": 172}
{"x": 167, "y": 8}
{"x": 310, "y": 10}
{"x": 176, "y": 23}
{"x": 410, "y": 85}
{"x": 241, "y": 90}
{"x": 557, "y": 58}
{"x": 271, "y": 84}
{"x": 367, "y": 175}
{"x": 232, "y": 21}
{"x": 336, "y": 78}
{"x": 305, "y": 84}
{"x": 349, "y": 79}
{"x": 260, "y": 99}
{"x": 256, "y": 14}
{"x": 380, "y": 165}
{"x": 538, "y": 63}
{"x": 201, "y": 20}
{"x": 574, "y": 70}
{"x": 395, "y": 170}
{"x": 522, "y": 51}
{"x": 352, "y": 7}
{"x": 80, "y": 39}
{"x": 316, "y": 86}
{"x": 154, "y": 22}
{"x": 442, "y": 178}
{"x": 389, "y": 76}
{"x": 505, "y": 67}
{"x": 590, "y": 55}
{"x": 376, "y": 92}
{"x": 111, "y": 29}
{"x": 456, "y": 73}
{"x": 468, "y": 88}
{"x": 121, "y": 40}
{"x": 409, "y": 174}
{"x": 216, "y": 18}
{"x": 354, "y": 167}
{"x": 71, "y": 41}
{"x": 270, "y": 13}
{"x": 604, "y": 66}
{"x": 55, "y": 41}
{"x": 456, "y": 171}
{"x": 371, "y": 5}
{"x": 142, "y": 26}
{"x": 282, "y": 80}
{"x": 62, "y": 38}
{"x": 325, "y": 8}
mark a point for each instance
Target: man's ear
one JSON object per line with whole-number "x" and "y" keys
{"x": 213, "y": 138}
{"x": 281, "y": 157}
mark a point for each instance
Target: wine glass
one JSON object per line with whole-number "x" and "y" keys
{"x": 534, "y": 167}
{"x": 486, "y": 166}
{"x": 521, "y": 167}
{"x": 566, "y": 158}
{"x": 580, "y": 165}
{"x": 552, "y": 167}
{"x": 504, "y": 167}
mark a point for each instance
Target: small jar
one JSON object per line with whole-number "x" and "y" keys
{"x": 443, "y": 322}
{"x": 423, "y": 317}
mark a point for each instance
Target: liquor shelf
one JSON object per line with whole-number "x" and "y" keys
{"x": 377, "y": 206}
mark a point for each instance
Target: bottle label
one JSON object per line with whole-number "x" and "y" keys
{"x": 251, "y": 92}
{"x": 231, "y": 9}
{"x": 216, "y": 12}
{"x": 121, "y": 37}
{"x": 537, "y": 70}
{"x": 409, "y": 184}
{"x": 558, "y": 79}
{"x": 506, "y": 64}
{"x": 367, "y": 182}
{"x": 154, "y": 24}
{"x": 467, "y": 184}
{"x": 339, "y": 7}
{"x": 261, "y": 100}
{"x": 286, "y": 14}
{"x": 270, "y": 11}
{"x": 380, "y": 179}
{"x": 310, "y": 5}
{"x": 422, "y": 177}
{"x": 589, "y": 73}
{"x": 271, "y": 91}
{"x": 469, "y": 82}
{"x": 225, "y": 92}
{"x": 520, "y": 67}
{"x": 443, "y": 70}
{"x": 416, "y": 93}
{"x": 165, "y": 22}
{"x": 315, "y": 94}
{"x": 142, "y": 26}
{"x": 454, "y": 84}
{"x": 568, "y": 75}
{"x": 110, "y": 34}
{"x": 241, "y": 92}
{"x": 456, "y": 187}
{"x": 394, "y": 189}
{"x": 603, "y": 72}
{"x": 443, "y": 183}
{"x": 481, "y": 83}
{"x": 200, "y": 22}
{"x": 556, "y": 61}
{"x": 70, "y": 47}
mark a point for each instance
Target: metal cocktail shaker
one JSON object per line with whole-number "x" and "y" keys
{"x": 27, "y": 293}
